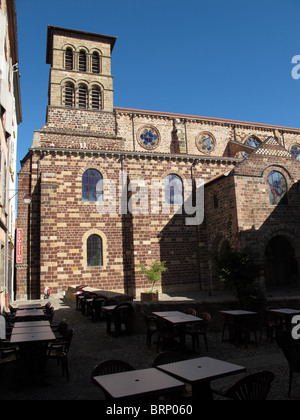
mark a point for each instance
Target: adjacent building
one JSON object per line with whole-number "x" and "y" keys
{"x": 11, "y": 116}
{"x": 112, "y": 188}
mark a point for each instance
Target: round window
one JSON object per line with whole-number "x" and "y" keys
{"x": 205, "y": 143}
{"x": 148, "y": 138}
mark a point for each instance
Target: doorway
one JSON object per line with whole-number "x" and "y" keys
{"x": 281, "y": 266}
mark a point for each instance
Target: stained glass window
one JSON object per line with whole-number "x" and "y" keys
{"x": 295, "y": 151}
{"x": 252, "y": 142}
{"x": 277, "y": 188}
{"x": 173, "y": 190}
{"x": 205, "y": 143}
{"x": 148, "y": 138}
{"x": 94, "y": 251}
{"x": 92, "y": 186}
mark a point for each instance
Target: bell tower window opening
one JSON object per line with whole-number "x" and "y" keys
{"x": 95, "y": 63}
{"x": 82, "y": 61}
{"x": 96, "y": 98}
{"x": 69, "y": 59}
{"x": 82, "y": 97}
{"x": 69, "y": 95}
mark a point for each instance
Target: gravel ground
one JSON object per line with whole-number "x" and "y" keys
{"x": 92, "y": 345}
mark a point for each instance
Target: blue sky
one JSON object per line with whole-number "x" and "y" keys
{"x": 225, "y": 59}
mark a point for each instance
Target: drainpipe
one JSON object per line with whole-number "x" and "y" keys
{"x": 196, "y": 227}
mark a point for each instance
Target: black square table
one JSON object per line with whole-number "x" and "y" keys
{"x": 137, "y": 384}
{"x": 30, "y": 324}
{"x": 200, "y": 372}
{"x": 29, "y": 313}
{"x": 33, "y": 342}
{"x": 163, "y": 314}
{"x": 178, "y": 319}
{"x": 30, "y": 306}
{"x": 287, "y": 313}
{"x": 27, "y": 329}
{"x": 235, "y": 320}
{"x": 32, "y": 337}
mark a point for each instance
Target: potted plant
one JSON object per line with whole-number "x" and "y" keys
{"x": 153, "y": 275}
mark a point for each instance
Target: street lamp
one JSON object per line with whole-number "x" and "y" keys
{"x": 27, "y": 199}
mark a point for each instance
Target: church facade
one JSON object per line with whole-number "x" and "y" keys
{"x": 113, "y": 188}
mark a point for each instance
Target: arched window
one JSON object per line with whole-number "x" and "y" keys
{"x": 95, "y": 62}
{"x": 96, "y": 98}
{"x": 83, "y": 96}
{"x": 173, "y": 190}
{"x": 69, "y": 95}
{"x": 69, "y": 60}
{"x": 252, "y": 142}
{"x": 92, "y": 186}
{"x": 277, "y": 188}
{"x": 295, "y": 152}
{"x": 82, "y": 61}
{"x": 94, "y": 251}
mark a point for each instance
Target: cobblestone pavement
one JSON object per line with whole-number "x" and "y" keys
{"x": 91, "y": 345}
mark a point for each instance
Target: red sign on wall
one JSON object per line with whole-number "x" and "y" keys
{"x": 19, "y": 256}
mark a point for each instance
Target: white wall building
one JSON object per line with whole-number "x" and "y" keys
{"x": 10, "y": 117}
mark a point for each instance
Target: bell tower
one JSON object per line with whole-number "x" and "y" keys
{"x": 80, "y": 72}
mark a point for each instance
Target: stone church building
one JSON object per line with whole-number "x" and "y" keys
{"x": 93, "y": 172}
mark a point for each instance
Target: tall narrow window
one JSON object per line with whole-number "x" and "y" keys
{"x": 173, "y": 190}
{"x": 69, "y": 60}
{"x": 82, "y": 61}
{"x": 83, "y": 96}
{"x": 96, "y": 97}
{"x": 94, "y": 251}
{"x": 95, "y": 63}
{"x": 69, "y": 95}
{"x": 92, "y": 186}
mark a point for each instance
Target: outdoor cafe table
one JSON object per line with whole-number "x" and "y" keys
{"x": 166, "y": 313}
{"x": 35, "y": 329}
{"x": 137, "y": 384}
{"x": 31, "y": 324}
{"x": 30, "y": 306}
{"x": 287, "y": 313}
{"x": 29, "y": 313}
{"x": 233, "y": 319}
{"x": 200, "y": 372}
{"x": 33, "y": 341}
{"x": 29, "y": 334}
{"x": 178, "y": 319}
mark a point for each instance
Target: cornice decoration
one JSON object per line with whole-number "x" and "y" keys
{"x": 43, "y": 151}
{"x": 206, "y": 120}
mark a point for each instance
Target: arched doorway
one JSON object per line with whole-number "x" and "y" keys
{"x": 281, "y": 266}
